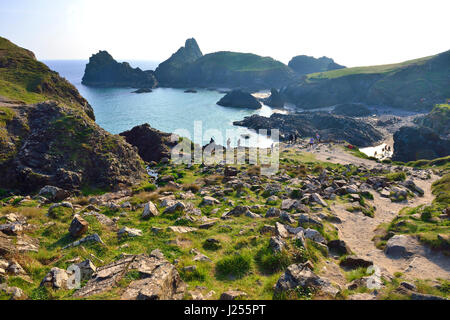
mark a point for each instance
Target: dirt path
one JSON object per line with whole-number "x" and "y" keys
{"x": 358, "y": 230}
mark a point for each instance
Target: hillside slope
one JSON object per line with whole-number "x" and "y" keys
{"x": 413, "y": 85}
{"x": 54, "y": 142}
{"x": 24, "y": 79}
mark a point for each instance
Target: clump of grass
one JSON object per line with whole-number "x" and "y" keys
{"x": 269, "y": 262}
{"x": 396, "y": 176}
{"x": 193, "y": 187}
{"x": 235, "y": 265}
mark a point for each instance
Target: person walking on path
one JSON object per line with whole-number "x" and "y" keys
{"x": 318, "y": 137}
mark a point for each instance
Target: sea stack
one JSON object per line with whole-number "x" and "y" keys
{"x": 103, "y": 71}
{"x": 239, "y": 99}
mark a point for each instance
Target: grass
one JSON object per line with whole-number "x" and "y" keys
{"x": 242, "y": 261}
{"x": 424, "y": 221}
{"x": 234, "y": 266}
{"x": 380, "y": 69}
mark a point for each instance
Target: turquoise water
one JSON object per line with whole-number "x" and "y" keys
{"x": 166, "y": 109}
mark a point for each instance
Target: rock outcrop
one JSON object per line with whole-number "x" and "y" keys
{"x": 352, "y": 110}
{"x": 152, "y": 144}
{"x": 415, "y": 143}
{"x": 305, "y": 64}
{"x": 103, "y": 71}
{"x": 52, "y": 144}
{"x": 171, "y": 72}
{"x": 437, "y": 120}
{"x": 188, "y": 68}
{"x": 413, "y": 85}
{"x": 330, "y": 127}
{"x": 276, "y": 100}
{"x": 239, "y": 99}
{"x": 159, "y": 280}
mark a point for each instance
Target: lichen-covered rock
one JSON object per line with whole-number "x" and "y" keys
{"x": 78, "y": 226}
{"x": 301, "y": 276}
{"x": 150, "y": 210}
{"x": 159, "y": 280}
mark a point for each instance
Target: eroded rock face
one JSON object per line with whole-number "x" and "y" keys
{"x": 276, "y": 99}
{"x": 58, "y": 146}
{"x": 159, "y": 280}
{"x": 171, "y": 73}
{"x": 152, "y": 144}
{"x": 414, "y": 143}
{"x": 103, "y": 71}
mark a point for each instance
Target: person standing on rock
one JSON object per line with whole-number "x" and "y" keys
{"x": 311, "y": 143}
{"x": 318, "y": 137}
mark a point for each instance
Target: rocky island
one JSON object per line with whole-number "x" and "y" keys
{"x": 239, "y": 99}
{"x": 103, "y": 71}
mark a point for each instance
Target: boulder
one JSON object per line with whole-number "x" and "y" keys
{"x": 233, "y": 295}
{"x": 318, "y": 199}
{"x": 210, "y": 201}
{"x": 297, "y": 275}
{"x": 277, "y": 244}
{"x": 78, "y": 226}
{"x": 273, "y": 212}
{"x": 87, "y": 269}
{"x": 354, "y": 262}
{"x": 158, "y": 279}
{"x": 402, "y": 246}
{"x": 56, "y": 279}
{"x": 53, "y": 193}
{"x": 152, "y": 144}
{"x": 129, "y": 232}
{"x": 339, "y": 247}
{"x": 150, "y": 210}
{"x": 314, "y": 235}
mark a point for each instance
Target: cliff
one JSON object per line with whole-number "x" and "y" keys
{"x": 412, "y": 85}
{"x": 305, "y": 64}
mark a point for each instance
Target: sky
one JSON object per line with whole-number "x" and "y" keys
{"x": 352, "y": 32}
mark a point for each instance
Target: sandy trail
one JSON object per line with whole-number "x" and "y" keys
{"x": 358, "y": 230}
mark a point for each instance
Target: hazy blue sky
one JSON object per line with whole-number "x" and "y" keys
{"x": 353, "y": 32}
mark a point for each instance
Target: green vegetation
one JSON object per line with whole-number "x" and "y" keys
{"x": 236, "y": 61}
{"x": 380, "y": 69}
{"x": 235, "y": 265}
{"x": 424, "y": 221}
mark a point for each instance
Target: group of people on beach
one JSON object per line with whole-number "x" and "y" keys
{"x": 384, "y": 152}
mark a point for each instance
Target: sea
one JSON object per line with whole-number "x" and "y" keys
{"x": 166, "y": 109}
